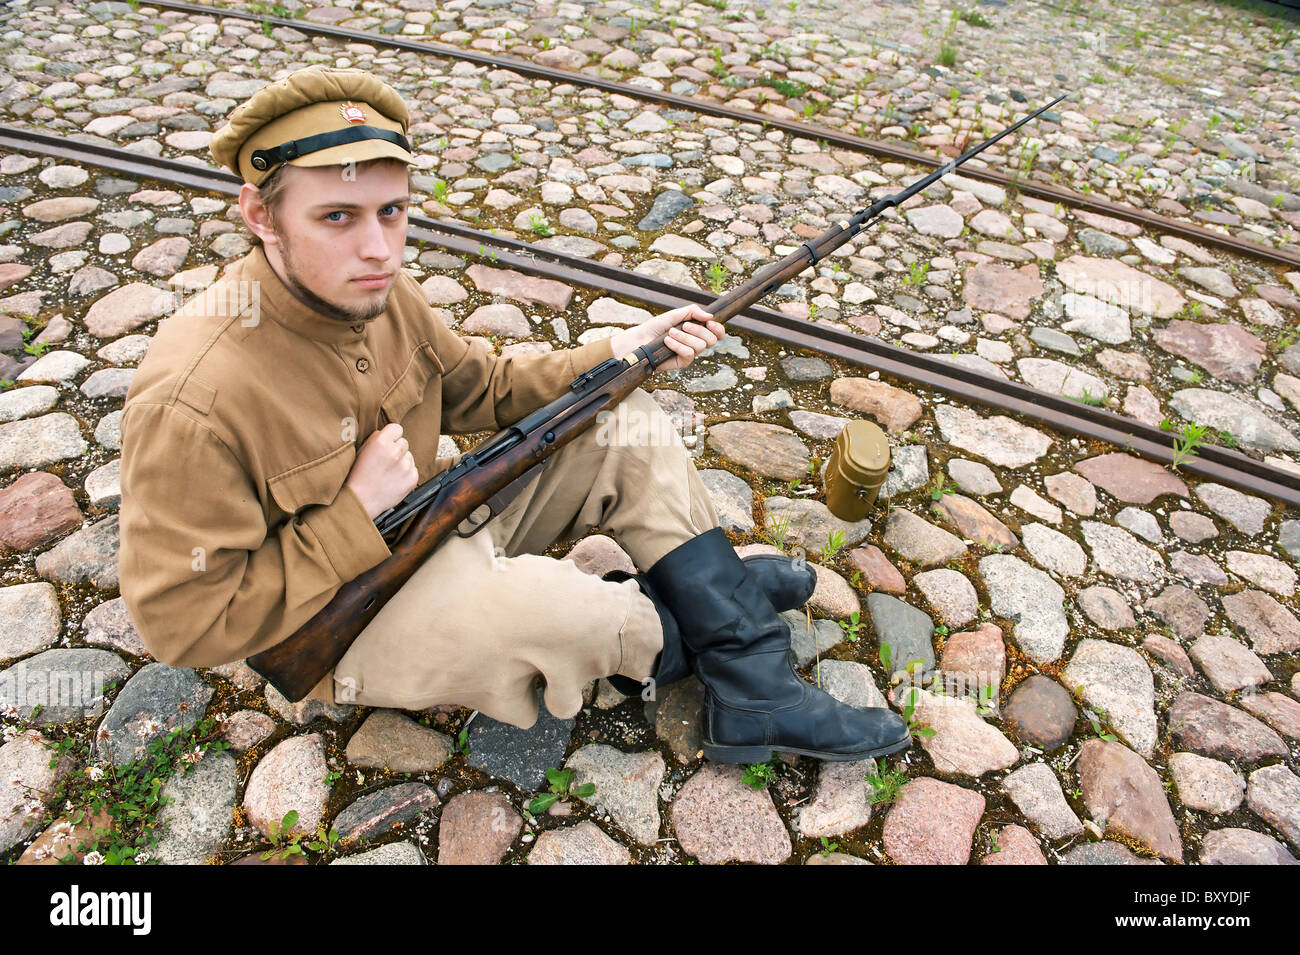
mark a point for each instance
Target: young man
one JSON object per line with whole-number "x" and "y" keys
{"x": 260, "y": 442}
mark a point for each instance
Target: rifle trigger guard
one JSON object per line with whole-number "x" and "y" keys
{"x": 499, "y": 501}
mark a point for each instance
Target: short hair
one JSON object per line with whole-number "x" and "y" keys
{"x": 271, "y": 191}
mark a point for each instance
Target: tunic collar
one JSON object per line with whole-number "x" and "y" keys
{"x": 286, "y": 309}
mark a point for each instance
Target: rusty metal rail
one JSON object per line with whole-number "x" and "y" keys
{"x": 1054, "y": 411}
{"x": 1194, "y": 233}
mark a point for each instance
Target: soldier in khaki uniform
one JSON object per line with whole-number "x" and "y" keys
{"x": 278, "y": 413}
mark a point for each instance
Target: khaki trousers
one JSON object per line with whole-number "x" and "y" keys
{"x": 486, "y": 616}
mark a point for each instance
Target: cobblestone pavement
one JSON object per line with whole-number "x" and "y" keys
{"x": 1110, "y": 647}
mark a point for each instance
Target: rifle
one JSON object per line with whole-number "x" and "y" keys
{"x": 485, "y": 476}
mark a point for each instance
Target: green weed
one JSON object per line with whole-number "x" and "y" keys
{"x": 759, "y": 775}
{"x": 835, "y": 542}
{"x": 885, "y": 784}
{"x": 561, "y": 782}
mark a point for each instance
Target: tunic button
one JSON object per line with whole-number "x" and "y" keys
{"x": 363, "y": 364}
{"x": 359, "y": 328}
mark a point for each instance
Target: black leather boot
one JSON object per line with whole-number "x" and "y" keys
{"x": 671, "y": 664}
{"x": 786, "y": 583}
{"x": 755, "y": 702}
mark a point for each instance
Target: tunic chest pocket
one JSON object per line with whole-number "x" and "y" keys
{"x": 315, "y": 482}
{"x": 411, "y": 385}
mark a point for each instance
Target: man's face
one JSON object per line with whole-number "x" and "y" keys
{"x": 339, "y": 236}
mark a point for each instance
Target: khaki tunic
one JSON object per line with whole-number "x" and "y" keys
{"x": 239, "y": 430}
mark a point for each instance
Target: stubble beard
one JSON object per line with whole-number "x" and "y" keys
{"x": 324, "y": 306}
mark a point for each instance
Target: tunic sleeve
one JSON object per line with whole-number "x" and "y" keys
{"x": 205, "y": 580}
{"x": 482, "y": 391}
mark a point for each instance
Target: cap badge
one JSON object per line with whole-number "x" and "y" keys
{"x": 352, "y": 114}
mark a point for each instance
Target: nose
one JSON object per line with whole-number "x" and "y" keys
{"x": 374, "y": 240}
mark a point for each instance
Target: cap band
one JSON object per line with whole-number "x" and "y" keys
{"x": 263, "y": 159}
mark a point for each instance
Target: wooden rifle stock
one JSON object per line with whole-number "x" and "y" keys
{"x": 295, "y": 665}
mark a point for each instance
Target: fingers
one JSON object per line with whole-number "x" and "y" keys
{"x": 687, "y": 311}
{"x": 699, "y": 337}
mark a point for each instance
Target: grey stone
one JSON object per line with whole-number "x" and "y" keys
{"x": 198, "y": 819}
{"x": 810, "y": 523}
{"x": 1105, "y": 853}
{"x": 1209, "y": 785}
{"x": 583, "y": 844}
{"x": 1141, "y": 523}
{"x": 908, "y": 632}
{"x": 29, "y": 618}
{"x": 1032, "y": 600}
{"x": 919, "y": 541}
{"x": 732, "y": 499}
{"x": 1273, "y": 794}
{"x": 627, "y": 786}
{"x": 1053, "y": 340}
{"x": 973, "y": 477}
{"x": 951, "y": 595}
{"x": 668, "y": 205}
{"x": 1054, "y": 551}
{"x": 998, "y": 439}
{"x": 805, "y": 368}
{"x": 37, "y": 442}
{"x": 1116, "y": 680}
{"x": 27, "y": 758}
{"x": 842, "y": 801}
{"x": 155, "y": 701}
{"x": 1242, "y": 511}
{"x": 909, "y": 469}
{"x": 521, "y": 756}
{"x": 379, "y": 812}
{"x": 66, "y": 683}
{"x": 393, "y": 853}
{"x": 807, "y": 642}
{"x": 1117, "y": 552}
{"x": 1224, "y": 412}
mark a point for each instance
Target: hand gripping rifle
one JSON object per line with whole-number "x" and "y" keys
{"x": 486, "y": 475}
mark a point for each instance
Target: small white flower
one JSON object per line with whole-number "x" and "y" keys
{"x": 92, "y": 858}
{"x": 9, "y": 711}
{"x": 142, "y": 857}
{"x": 10, "y": 733}
{"x": 41, "y": 854}
{"x": 94, "y": 773}
{"x": 62, "y": 830}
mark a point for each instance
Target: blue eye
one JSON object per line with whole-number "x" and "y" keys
{"x": 396, "y": 210}
{"x": 336, "y": 213}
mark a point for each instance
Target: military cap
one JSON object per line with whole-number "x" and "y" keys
{"x": 319, "y": 116}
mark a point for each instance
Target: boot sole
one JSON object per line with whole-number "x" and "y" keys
{"x": 763, "y": 754}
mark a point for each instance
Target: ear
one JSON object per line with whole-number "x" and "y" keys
{"x": 255, "y": 215}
